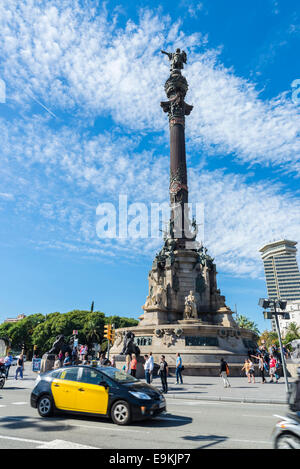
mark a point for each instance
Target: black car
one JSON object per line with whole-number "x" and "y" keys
{"x": 90, "y": 390}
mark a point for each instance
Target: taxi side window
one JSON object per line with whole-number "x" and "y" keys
{"x": 90, "y": 376}
{"x": 108, "y": 381}
{"x": 70, "y": 374}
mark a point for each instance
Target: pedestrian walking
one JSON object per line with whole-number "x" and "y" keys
{"x": 7, "y": 363}
{"x": 151, "y": 367}
{"x": 147, "y": 368}
{"x": 224, "y": 372}
{"x": 251, "y": 371}
{"x": 133, "y": 365}
{"x": 179, "y": 367}
{"x": 261, "y": 366}
{"x": 163, "y": 373}
{"x": 273, "y": 374}
{"x": 246, "y": 368}
{"x": 20, "y": 367}
{"x": 127, "y": 364}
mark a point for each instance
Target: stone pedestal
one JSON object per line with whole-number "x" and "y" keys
{"x": 47, "y": 362}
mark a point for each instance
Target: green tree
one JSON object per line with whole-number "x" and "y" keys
{"x": 292, "y": 333}
{"x": 94, "y": 328}
{"x": 245, "y": 323}
{"x": 42, "y": 331}
{"x": 268, "y": 338}
{"x": 21, "y": 332}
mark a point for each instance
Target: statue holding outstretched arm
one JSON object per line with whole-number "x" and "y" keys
{"x": 177, "y": 59}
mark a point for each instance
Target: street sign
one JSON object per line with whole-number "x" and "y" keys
{"x": 36, "y": 364}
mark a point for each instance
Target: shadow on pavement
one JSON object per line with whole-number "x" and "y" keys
{"x": 166, "y": 421}
{"x": 244, "y": 387}
{"x": 191, "y": 393}
{"x": 10, "y": 388}
{"x": 212, "y": 440}
{"x": 23, "y": 422}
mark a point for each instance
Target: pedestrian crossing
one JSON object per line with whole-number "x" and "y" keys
{"x": 54, "y": 444}
{"x": 20, "y": 403}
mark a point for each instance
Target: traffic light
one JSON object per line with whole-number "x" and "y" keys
{"x": 107, "y": 331}
{"x": 112, "y": 335}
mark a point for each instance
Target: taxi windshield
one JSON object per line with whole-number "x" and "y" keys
{"x": 118, "y": 375}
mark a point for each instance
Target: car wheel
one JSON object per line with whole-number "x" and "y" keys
{"x": 287, "y": 441}
{"x": 120, "y": 413}
{"x": 45, "y": 406}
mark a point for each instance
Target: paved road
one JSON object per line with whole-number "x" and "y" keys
{"x": 188, "y": 424}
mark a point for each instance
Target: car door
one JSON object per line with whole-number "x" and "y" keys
{"x": 91, "y": 397}
{"x": 64, "y": 389}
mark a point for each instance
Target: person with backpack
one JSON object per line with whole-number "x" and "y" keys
{"x": 224, "y": 372}
{"x": 7, "y": 363}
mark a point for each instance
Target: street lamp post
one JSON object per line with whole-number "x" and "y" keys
{"x": 282, "y": 305}
{"x": 281, "y": 349}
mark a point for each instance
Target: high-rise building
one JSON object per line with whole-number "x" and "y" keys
{"x": 293, "y": 309}
{"x": 281, "y": 270}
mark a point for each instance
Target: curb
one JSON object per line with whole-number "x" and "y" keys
{"x": 229, "y": 399}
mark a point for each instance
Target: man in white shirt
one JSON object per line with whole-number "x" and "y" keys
{"x": 147, "y": 368}
{"x": 151, "y": 366}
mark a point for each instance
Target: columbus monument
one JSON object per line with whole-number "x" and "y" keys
{"x": 184, "y": 311}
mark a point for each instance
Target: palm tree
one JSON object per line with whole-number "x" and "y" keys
{"x": 91, "y": 332}
{"x": 245, "y": 323}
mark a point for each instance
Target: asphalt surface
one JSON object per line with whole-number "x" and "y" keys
{"x": 188, "y": 424}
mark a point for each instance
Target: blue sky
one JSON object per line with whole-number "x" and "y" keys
{"x": 81, "y": 124}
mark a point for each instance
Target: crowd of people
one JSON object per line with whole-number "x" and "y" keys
{"x": 162, "y": 369}
{"x": 79, "y": 355}
{"x": 267, "y": 361}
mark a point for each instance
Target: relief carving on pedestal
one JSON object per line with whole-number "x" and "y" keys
{"x": 169, "y": 338}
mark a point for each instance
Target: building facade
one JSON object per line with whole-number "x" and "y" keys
{"x": 281, "y": 271}
{"x": 17, "y": 319}
{"x": 293, "y": 309}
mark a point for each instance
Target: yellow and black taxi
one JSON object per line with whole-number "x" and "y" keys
{"x": 94, "y": 390}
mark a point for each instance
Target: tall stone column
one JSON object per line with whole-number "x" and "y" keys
{"x": 176, "y": 88}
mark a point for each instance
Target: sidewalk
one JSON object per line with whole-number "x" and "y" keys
{"x": 212, "y": 389}
{"x": 202, "y": 388}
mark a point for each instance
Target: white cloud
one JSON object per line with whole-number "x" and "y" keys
{"x": 241, "y": 217}
{"x": 80, "y": 65}
{"x": 79, "y": 61}
{"x": 65, "y": 175}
